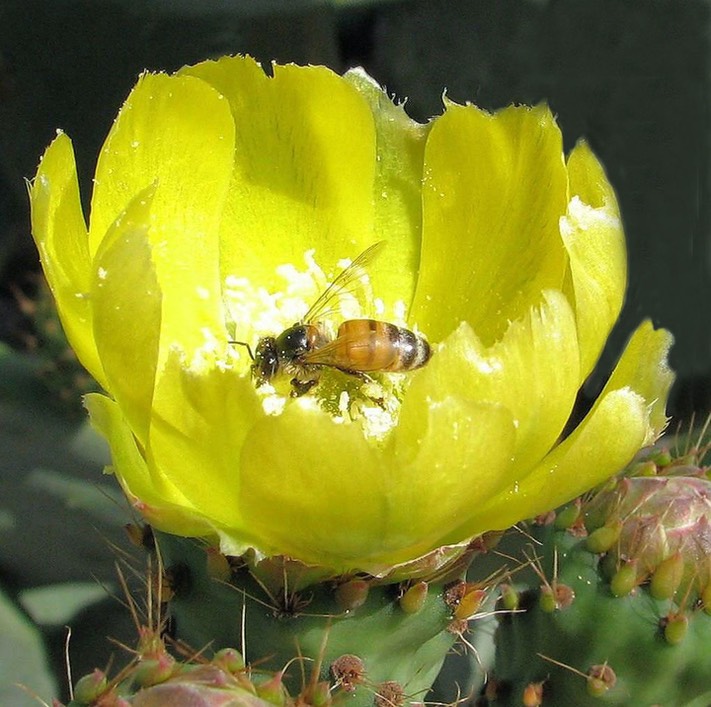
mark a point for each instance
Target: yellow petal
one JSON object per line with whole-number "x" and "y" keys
{"x": 451, "y": 455}
{"x": 644, "y": 367}
{"x": 628, "y": 415}
{"x": 494, "y": 189}
{"x": 304, "y": 168}
{"x": 176, "y": 134}
{"x": 397, "y": 192}
{"x": 599, "y": 447}
{"x": 60, "y": 233}
{"x": 532, "y": 371}
{"x": 200, "y": 419}
{"x": 311, "y": 488}
{"x": 151, "y": 498}
{"x": 593, "y": 236}
{"x": 127, "y": 301}
{"x": 320, "y": 491}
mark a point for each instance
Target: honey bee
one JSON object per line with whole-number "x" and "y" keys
{"x": 360, "y": 347}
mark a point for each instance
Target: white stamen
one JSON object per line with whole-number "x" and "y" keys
{"x": 251, "y": 312}
{"x": 343, "y": 403}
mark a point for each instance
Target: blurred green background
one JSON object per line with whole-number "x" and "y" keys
{"x": 632, "y": 77}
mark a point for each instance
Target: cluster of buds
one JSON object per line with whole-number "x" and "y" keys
{"x": 623, "y": 578}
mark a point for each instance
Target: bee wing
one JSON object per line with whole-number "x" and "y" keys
{"x": 343, "y": 282}
{"x": 330, "y": 354}
{"x": 351, "y": 350}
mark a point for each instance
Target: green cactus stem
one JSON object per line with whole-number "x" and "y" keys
{"x": 562, "y": 649}
{"x": 637, "y": 629}
{"x": 367, "y": 640}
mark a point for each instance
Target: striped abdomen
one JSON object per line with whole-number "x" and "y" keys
{"x": 371, "y": 345}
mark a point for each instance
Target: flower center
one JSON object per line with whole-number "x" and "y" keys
{"x": 267, "y": 321}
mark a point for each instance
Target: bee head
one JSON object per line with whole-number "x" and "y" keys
{"x": 266, "y": 360}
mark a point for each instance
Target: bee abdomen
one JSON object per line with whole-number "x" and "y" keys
{"x": 413, "y": 350}
{"x": 372, "y": 345}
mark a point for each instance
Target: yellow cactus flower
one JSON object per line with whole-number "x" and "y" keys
{"x": 225, "y": 200}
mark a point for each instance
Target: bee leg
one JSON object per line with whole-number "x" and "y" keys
{"x": 301, "y": 387}
{"x": 358, "y": 374}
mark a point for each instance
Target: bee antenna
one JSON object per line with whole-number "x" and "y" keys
{"x": 245, "y": 344}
